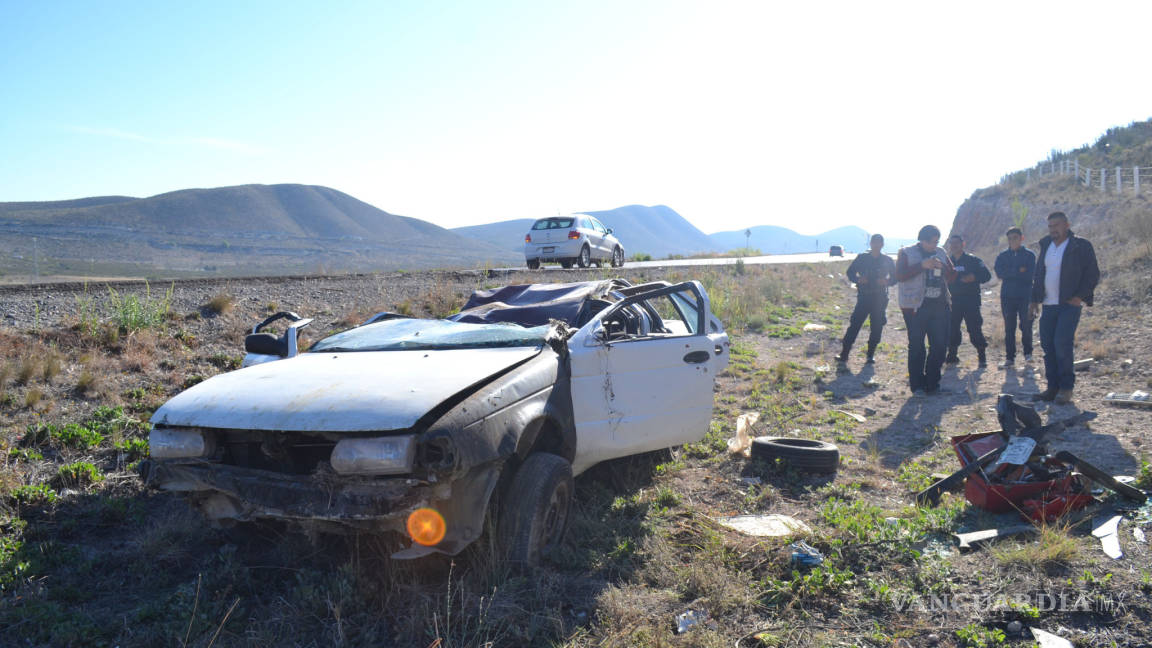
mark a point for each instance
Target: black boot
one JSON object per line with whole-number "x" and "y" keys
{"x": 952, "y": 358}
{"x": 981, "y": 358}
{"x": 871, "y": 352}
{"x": 843, "y": 357}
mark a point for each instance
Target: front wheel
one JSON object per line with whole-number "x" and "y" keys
{"x": 536, "y": 509}
{"x": 617, "y": 257}
{"x": 566, "y": 263}
{"x": 585, "y": 258}
{"x": 533, "y": 264}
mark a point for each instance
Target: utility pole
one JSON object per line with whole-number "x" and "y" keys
{"x": 747, "y": 240}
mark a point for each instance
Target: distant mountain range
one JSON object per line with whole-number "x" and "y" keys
{"x": 660, "y": 232}
{"x": 303, "y": 229}
{"x": 249, "y": 229}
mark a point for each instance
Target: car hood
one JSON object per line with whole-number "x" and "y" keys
{"x": 337, "y": 392}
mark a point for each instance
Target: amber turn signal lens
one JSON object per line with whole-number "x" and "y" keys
{"x": 426, "y": 526}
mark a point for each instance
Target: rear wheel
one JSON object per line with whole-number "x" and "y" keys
{"x": 585, "y": 258}
{"x": 536, "y": 508}
{"x": 533, "y": 264}
{"x": 617, "y": 257}
{"x": 566, "y": 263}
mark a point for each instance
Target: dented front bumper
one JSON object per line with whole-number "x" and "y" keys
{"x": 334, "y": 502}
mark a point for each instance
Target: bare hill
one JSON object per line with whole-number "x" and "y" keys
{"x": 249, "y": 229}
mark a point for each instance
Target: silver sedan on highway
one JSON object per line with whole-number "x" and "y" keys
{"x": 576, "y": 239}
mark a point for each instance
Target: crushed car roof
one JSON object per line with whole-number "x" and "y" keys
{"x": 534, "y": 304}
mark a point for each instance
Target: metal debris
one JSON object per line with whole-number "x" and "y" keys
{"x": 685, "y": 621}
{"x": 1107, "y": 528}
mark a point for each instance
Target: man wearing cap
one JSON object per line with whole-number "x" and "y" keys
{"x": 1015, "y": 267}
{"x": 965, "y": 291}
{"x": 1066, "y": 278}
{"x": 872, "y": 272}
{"x": 924, "y": 271}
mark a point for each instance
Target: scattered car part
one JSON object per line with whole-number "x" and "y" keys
{"x": 1049, "y": 640}
{"x": 968, "y": 540}
{"x": 1102, "y": 478}
{"x": 688, "y": 619}
{"x": 1137, "y": 398}
{"x": 810, "y": 455}
{"x": 1107, "y": 528}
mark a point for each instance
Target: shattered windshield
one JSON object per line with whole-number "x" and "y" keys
{"x": 422, "y": 334}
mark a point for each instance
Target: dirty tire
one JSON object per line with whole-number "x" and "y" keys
{"x": 804, "y": 454}
{"x": 536, "y": 508}
{"x": 566, "y": 263}
{"x": 533, "y": 264}
{"x": 585, "y": 258}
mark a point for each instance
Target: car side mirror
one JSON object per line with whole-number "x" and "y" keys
{"x": 609, "y": 230}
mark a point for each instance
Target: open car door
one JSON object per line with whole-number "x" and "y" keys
{"x": 643, "y": 372}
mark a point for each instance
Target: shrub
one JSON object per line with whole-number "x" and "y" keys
{"x": 33, "y": 495}
{"x": 33, "y": 397}
{"x": 73, "y": 435}
{"x": 131, "y": 313}
{"x": 221, "y": 303}
{"x": 80, "y": 473}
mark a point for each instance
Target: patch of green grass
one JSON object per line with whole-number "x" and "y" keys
{"x": 131, "y": 313}
{"x": 975, "y": 635}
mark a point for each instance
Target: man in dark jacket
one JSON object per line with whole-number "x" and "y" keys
{"x": 965, "y": 290}
{"x": 1066, "y": 278}
{"x": 1015, "y": 267}
{"x": 872, "y": 272}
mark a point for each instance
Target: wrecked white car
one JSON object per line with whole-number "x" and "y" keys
{"x": 416, "y": 425}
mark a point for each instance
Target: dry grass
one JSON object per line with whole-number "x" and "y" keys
{"x": 220, "y": 303}
{"x": 1053, "y": 546}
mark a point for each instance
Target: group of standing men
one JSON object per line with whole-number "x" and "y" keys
{"x": 939, "y": 291}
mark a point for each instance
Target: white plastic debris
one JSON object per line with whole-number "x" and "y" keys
{"x": 686, "y": 620}
{"x": 766, "y": 526}
{"x": 742, "y": 443}
{"x": 812, "y": 326}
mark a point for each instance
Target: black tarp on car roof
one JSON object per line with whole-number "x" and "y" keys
{"x": 531, "y": 304}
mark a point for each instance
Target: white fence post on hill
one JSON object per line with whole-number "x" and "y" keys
{"x": 1118, "y": 188}
{"x": 1136, "y": 179}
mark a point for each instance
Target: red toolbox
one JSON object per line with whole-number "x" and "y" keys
{"x": 1010, "y": 492}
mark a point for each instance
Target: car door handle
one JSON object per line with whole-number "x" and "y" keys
{"x": 696, "y": 357}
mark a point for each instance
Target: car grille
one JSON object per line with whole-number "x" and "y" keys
{"x": 290, "y": 453}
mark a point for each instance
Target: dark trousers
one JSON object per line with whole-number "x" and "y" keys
{"x": 930, "y": 321}
{"x": 1015, "y": 309}
{"x": 1057, "y": 334}
{"x": 872, "y": 307}
{"x": 966, "y": 309}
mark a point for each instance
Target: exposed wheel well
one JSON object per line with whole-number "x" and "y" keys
{"x": 546, "y": 435}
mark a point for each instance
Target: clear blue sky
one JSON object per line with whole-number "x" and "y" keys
{"x": 808, "y": 115}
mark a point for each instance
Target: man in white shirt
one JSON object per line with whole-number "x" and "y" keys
{"x": 1066, "y": 278}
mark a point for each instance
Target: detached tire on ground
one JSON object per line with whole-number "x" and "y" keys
{"x": 536, "y": 508}
{"x": 804, "y": 454}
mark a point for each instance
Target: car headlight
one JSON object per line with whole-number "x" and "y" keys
{"x": 389, "y": 455}
{"x": 173, "y": 443}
